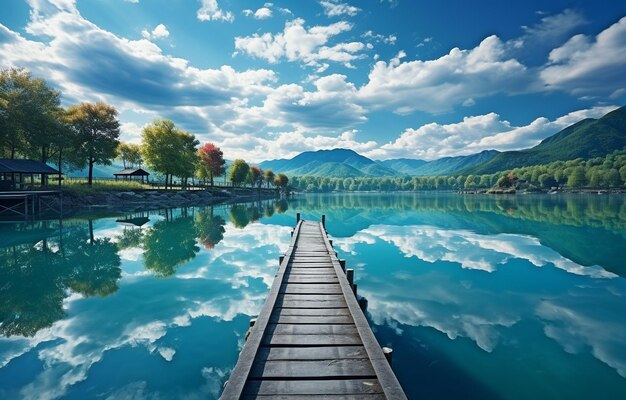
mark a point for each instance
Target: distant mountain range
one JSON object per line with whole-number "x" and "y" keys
{"x": 585, "y": 139}
{"x": 337, "y": 162}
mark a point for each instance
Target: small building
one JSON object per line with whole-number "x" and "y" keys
{"x": 18, "y": 174}
{"x": 137, "y": 174}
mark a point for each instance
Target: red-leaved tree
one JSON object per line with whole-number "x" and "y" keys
{"x": 211, "y": 161}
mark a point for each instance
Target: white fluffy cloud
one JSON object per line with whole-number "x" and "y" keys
{"x": 159, "y": 32}
{"x": 334, "y": 8}
{"x": 211, "y": 11}
{"x": 436, "y": 86}
{"x": 264, "y": 12}
{"x": 299, "y": 43}
{"x": 477, "y": 133}
{"x": 586, "y": 66}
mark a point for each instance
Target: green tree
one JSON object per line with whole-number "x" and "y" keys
{"x": 97, "y": 131}
{"x": 168, "y": 150}
{"x": 269, "y": 177}
{"x": 281, "y": 181}
{"x": 238, "y": 172}
{"x": 255, "y": 176}
{"x": 31, "y": 118}
{"x": 577, "y": 178}
{"x": 130, "y": 154}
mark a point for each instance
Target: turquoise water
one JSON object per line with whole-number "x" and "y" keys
{"x": 480, "y": 297}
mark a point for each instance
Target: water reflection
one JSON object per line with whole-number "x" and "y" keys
{"x": 499, "y": 292}
{"x": 507, "y": 297}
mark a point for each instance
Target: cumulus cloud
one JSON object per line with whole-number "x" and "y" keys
{"x": 264, "y": 12}
{"x": 211, "y": 11}
{"x": 334, "y": 8}
{"x": 589, "y": 66}
{"x": 79, "y": 58}
{"x": 478, "y": 133}
{"x": 299, "y": 43}
{"x": 436, "y": 86}
{"x": 159, "y": 32}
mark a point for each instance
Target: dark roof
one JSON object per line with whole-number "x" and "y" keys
{"x": 25, "y": 167}
{"x": 131, "y": 171}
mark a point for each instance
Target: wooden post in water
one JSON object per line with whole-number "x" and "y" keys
{"x": 280, "y": 259}
{"x": 363, "y": 304}
{"x": 297, "y": 217}
{"x": 324, "y": 221}
{"x": 343, "y": 265}
{"x": 354, "y": 289}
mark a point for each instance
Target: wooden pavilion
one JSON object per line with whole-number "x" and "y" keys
{"x": 20, "y": 174}
{"x": 132, "y": 174}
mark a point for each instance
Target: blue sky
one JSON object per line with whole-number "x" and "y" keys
{"x": 387, "y": 78}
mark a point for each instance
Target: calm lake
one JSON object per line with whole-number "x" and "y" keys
{"x": 480, "y": 297}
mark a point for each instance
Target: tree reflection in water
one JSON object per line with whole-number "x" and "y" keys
{"x": 37, "y": 277}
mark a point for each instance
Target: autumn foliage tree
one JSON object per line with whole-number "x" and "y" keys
{"x": 255, "y": 176}
{"x": 211, "y": 162}
{"x": 269, "y": 177}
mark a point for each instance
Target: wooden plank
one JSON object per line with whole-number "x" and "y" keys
{"x": 311, "y": 353}
{"x": 294, "y": 288}
{"x": 321, "y": 264}
{"x": 314, "y": 304}
{"x": 304, "y": 387}
{"x": 316, "y": 319}
{"x": 310, "y": 297}
{"x": 320, "y": 312}
{"x": 313, "y": 271}
{"x": 377, "y": 396}
{"x": 312, "y": 369}
{"x": 296, "y": 329}
{"x": 310, "y": 340}
{"x": 310, "y": 278}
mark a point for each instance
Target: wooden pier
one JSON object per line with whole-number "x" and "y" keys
{"x": 311, "y": 339}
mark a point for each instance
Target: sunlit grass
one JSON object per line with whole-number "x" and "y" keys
{"x": 81, "y": 187}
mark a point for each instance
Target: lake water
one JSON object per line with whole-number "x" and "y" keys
{"x": 480, "y": 297}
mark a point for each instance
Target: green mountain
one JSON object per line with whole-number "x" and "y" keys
{"x": 341, "y": 163}
{"x": 585, "y": 139}
{"x": 442, "y": 166}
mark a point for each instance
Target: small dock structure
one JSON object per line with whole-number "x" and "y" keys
{"x": 311, "y": 339}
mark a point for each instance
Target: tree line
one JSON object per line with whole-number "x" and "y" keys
{"x": 596, "y": 173}
{"x": 34, "y": 125}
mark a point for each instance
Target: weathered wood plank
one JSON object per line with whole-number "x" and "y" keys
{"x": 296, "y": 329}
{"x": 310, "y": 279}
{"x": 314, "y": 304}
{"x": 312, "y": 271}
{"x": 313, "y": 369}
{"x": 294, "y": 288}
{"x": 303, "y": 387}
{"x": 285, "y": 298}
{"x": 320, "y": 312}
{"x": 315, "y": 319}
{"x": 311, "y": 340}
{"x": 311, "y": 353}
{"x": 378, "y": 396}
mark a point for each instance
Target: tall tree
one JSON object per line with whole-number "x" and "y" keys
{"x": 130, "y": 154}
{"x": 238, "y": 172}
{"x": 97, "y": 131}
{"x": 281, "y": 181}
{"x": 255, "y": 176}
{"x": 269, "y": 177}
{"x": 211, "y": 161}
{"x": 30, "y": 113}
{"x": 168, "y": 150}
